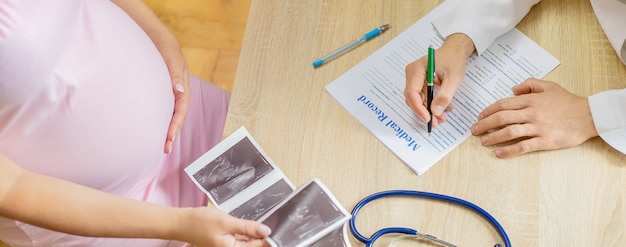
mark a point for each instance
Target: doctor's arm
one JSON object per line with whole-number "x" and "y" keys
{"x": 71, "y": 208}
{"x": 541, "y": 116}
{"x": 608, "y": 109}
{"x": 544, "y": 116}
{"x": 470, "y": 26}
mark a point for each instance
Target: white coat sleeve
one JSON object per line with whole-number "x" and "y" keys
{"x": 608, "y": 110}
{"x": 612, "y": 15}
{"x": 482, "y": 20}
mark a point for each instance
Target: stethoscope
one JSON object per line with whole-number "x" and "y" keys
{"x": 414, "y": 233}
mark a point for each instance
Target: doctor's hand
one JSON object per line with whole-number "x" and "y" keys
{"x": 542, "y": 116}
{"x": 450, "y": 65}
{"x": 204, "y": 226}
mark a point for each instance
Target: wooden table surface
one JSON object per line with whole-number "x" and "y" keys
{"x": 569, "y": 197}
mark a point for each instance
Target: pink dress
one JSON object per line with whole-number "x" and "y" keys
{"x": 85, "y": 96}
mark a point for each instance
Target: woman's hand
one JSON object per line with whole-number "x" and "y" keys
{"x": 179, "y": 76}
{"x": 63, "y": 206}
{"x": 542, "y": 116}
{"x": 210, "y": 227}
{"x": 168, "y": 46}
{"x": 450, "y": 65}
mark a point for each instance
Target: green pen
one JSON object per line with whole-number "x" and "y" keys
{"x": 430, "y": 79}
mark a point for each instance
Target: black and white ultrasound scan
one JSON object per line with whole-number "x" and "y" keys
{"x": 307, "y": 216}
{"x": 239, "y": 178}
{"x": 260, "y": 204}
{"x": 237, "y": 174}
{"x": 233, "y": 171}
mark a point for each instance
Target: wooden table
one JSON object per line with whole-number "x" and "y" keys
{"x": 570, "y": 197}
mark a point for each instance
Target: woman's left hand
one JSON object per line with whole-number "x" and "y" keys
{"x": 168, "y": 46}
{"x": 179, "y": 75}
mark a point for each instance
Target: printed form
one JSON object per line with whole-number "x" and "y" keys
{"x": 373, "y": 90}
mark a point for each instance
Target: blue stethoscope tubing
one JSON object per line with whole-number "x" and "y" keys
{"x": 412, "y": 193}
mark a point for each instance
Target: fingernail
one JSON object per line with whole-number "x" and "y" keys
{"x": 484, "y": 140}
{"x": 474, "y": 129}
{"x": 480, "y": 116}
{"x": 438, "y": 110}
{"x": 265, "y": 230}
{"x": 498, "y": 153}
{"x": 180, "y": 88}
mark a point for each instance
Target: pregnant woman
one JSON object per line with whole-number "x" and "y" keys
{"x": 93, "y": 96}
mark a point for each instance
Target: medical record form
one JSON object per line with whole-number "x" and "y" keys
{"x": 373, "y": 90}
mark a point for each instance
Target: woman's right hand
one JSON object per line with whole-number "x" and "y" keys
{"x": 68, "y": 207}
{"x": 206, "y": 226}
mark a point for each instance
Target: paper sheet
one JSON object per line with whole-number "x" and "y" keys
{"x": 373, "y": 90}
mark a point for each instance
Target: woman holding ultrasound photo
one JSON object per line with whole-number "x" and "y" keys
{"x": 93, "y": 96}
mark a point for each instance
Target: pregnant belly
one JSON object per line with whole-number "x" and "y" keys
{"x": 99, "y": 102}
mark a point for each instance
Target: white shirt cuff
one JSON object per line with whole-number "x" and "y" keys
{"x": 608, "y": 110}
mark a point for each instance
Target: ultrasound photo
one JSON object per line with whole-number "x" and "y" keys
{"x": 254, "y": 208}
{"x": 241, "y": 180}
{"x": 306, "y": 214}
{"x": 233, "y": 171}
{"x": 336, "y": 238}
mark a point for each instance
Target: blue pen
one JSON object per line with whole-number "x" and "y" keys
{"x": 353, "y": 44}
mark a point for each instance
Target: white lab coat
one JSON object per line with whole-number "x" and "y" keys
{"x": 485, "y": 20}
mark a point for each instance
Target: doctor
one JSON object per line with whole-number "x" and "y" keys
{"x": 542, "y": 114}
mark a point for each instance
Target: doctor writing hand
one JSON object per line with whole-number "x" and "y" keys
{"x": 542, "y": 116}
{"x": 450, "y": 65}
